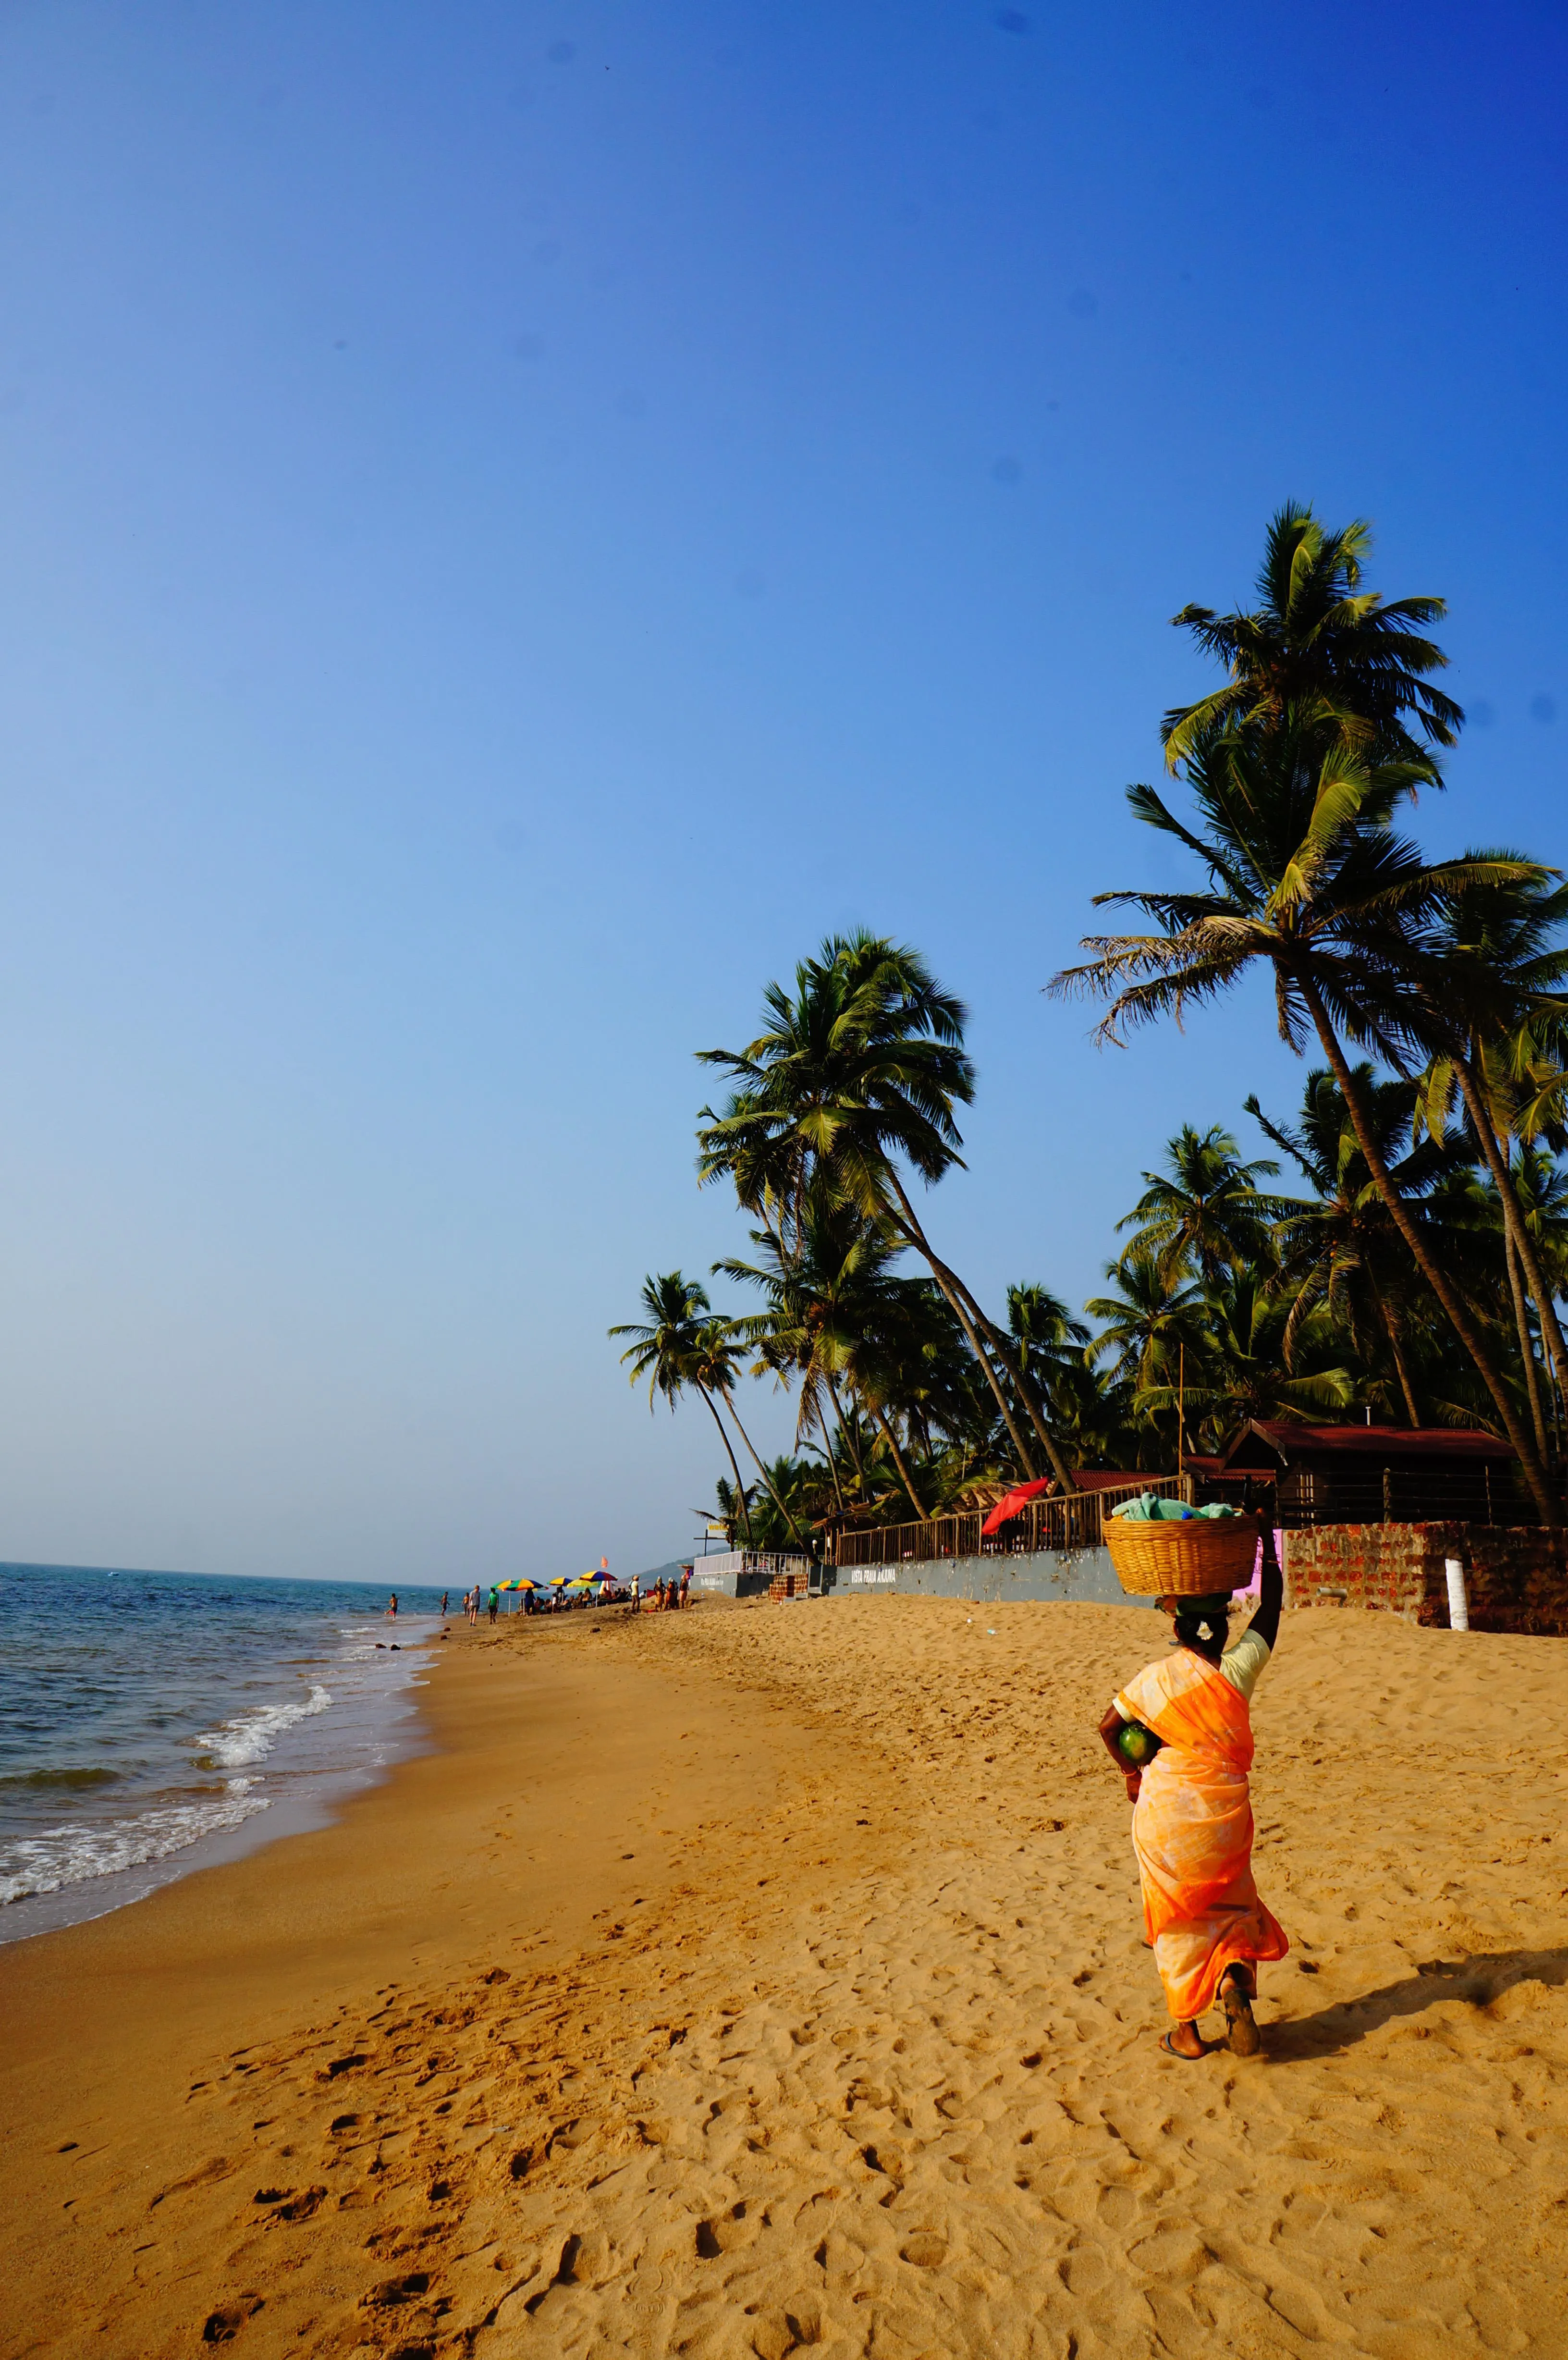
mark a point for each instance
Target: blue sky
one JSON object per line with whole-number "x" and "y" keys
{"x": 518, "y": 520}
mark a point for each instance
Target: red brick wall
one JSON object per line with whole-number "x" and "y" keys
{"x": 1516, "y": 1576}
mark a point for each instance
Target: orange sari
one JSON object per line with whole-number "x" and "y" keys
{"x": 1193, "y": 1831}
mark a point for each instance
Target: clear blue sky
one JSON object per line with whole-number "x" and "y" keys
{"x": 519, "y": 518}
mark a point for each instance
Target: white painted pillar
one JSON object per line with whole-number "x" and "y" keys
{"x": 1459, "y": 1604}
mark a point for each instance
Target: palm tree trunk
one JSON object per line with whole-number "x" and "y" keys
{"x": 1393, "y": 1328}
{"x": 740, "y": 1487}
{"x": 883, "y": 1426}
{"x": 954, "y": 1297}
{"x": 1012, "y": 1360}
{"x": 1526, "y": 1342}
{"x": 767, "y": 1478}
{"x": 1459, "y": 1318}
{"x": 827, "y": 1446}
{"x": 1513, "y": 1212}
{"x": 958, "y": 1296}
{"x": 848, "y": 1431}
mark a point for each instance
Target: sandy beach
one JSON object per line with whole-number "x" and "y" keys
{"x": 761, "y": 1979}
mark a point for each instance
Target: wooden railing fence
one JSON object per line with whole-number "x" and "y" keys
{"x": 1071, "y": 1520}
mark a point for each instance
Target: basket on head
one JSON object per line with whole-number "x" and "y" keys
{"x": 1193, "y": 1557}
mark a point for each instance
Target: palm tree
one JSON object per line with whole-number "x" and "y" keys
{"x": 1149, "y": 1322}
{"x": 670, "y": 1349}
{"x": 858, "y": 1073}
{"x": 1151, "y": 1325}
{"x": 1206, "y": 1210}
{"x": 834, "y": 1316}
{"x": 1491, "y": 991}
{"x": 716, "y": 1356}
{"x": 731, "y": 1508}
{"x": 1304, "y": 877}
{"x": 1242, "y": 1373}
{"x": 1316, "y": 634}
{"x": 1339, "y": 1247}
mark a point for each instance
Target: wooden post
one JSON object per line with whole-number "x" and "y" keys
{"x": 1181, "y": 1403}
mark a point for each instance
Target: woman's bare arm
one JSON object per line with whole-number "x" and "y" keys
{"x": 1110, "y": 1729}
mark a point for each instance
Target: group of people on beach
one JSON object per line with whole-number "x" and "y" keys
{"x": 667, "y": 1594}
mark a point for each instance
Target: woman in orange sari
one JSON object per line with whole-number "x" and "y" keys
{"x": 1192, "y": 1828}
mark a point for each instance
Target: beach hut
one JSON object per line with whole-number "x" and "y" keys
{"x": 1376, "y": 1474}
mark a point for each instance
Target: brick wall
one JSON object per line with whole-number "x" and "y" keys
{"x": 1516, "y": 1575}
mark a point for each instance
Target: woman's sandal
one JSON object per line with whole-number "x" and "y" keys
{"x": 1171, "y": 2050}
{"x": 1245, "y": 2039}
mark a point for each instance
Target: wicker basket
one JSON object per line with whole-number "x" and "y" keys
{"x": 1195, "y": 1557}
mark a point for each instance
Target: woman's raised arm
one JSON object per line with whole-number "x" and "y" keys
{"x": 1271, "y": 1595}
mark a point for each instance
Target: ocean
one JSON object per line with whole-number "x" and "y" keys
{"x": 151, "y": 1723}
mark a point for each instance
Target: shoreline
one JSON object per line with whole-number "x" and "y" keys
{"x": 751, "y": 1966}
{"x": 207, "y": 1754}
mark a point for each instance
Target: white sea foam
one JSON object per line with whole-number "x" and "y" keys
{"x": 251, "y": 1734}
{"x": 69, "y": 1855}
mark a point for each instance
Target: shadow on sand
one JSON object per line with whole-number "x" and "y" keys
{"x": 1479, "y": 1979}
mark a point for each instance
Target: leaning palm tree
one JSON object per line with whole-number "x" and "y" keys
{"x": 1317, "y": 634}
{"x": 1206, "y": 1210}
{"x": 668, "y": 1349}
{"x": 1304, "y": 878}
{"x": 853, "y": 1085}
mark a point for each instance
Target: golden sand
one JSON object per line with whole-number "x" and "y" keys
{"x": 762, "y": 1978}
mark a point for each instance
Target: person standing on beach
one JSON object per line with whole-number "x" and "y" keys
{"x": 445, "y": 1595}
{"x": 685, "y": 1585}
{"x": 1191, "y": 1830}
{"x": 495, "y": 1604}
{"x": 392, "y": 1608}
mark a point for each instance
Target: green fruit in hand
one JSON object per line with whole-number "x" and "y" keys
{"x": 1136, "y": 1745}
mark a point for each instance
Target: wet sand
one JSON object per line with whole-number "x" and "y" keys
{"x": 761, "y": 1979}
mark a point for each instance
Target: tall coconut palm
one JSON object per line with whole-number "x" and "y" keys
{"x": 1317, "y": 635}
{"x": 854, "y": 1082}
{"x": 1306, "y": 879}
{"x": 1205, "y": 1211}
{"x": 669, "y": 1348}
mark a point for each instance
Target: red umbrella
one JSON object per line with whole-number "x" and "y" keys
{"x": 1014, "y": 1501}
